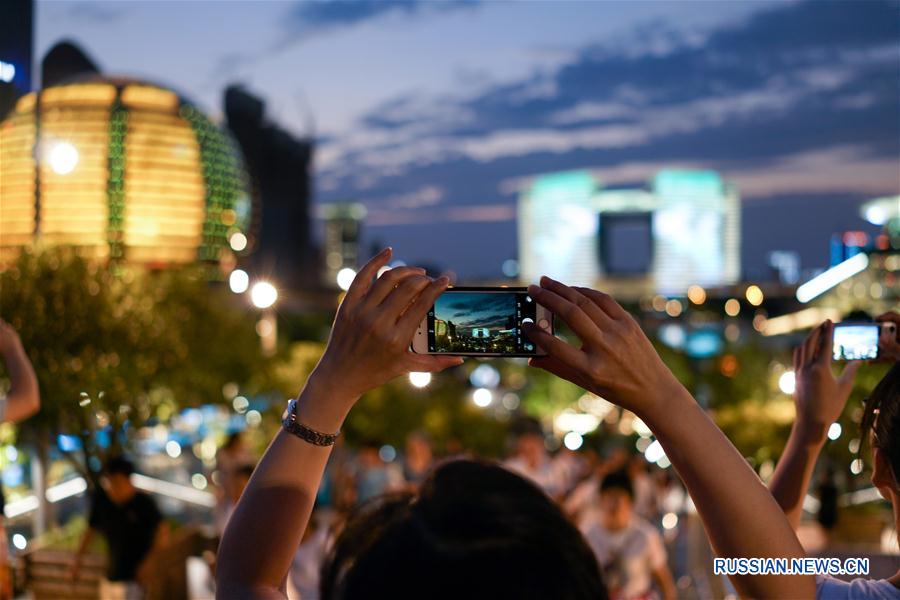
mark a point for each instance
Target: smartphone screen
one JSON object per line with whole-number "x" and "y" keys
{"x": 856, "y": 341}
{"x": 484, "y": 322}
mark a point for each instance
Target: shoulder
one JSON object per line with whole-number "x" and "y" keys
{"x": 829, "y": 588}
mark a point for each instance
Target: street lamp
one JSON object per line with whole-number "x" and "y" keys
{"x": 263, "y": 294}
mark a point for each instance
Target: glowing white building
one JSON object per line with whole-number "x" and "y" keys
{"x": 683, "y": 231}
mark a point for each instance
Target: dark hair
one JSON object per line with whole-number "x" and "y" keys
{"x": 526, "y": 426}
{"x": 882, "y": 418}
{"x": 233, "y": 438}
{"x": 244, "y": 471}
{"x": 475, "y": 530}
{"x": 118, "y": 465}
{"x": 618, "y": 480}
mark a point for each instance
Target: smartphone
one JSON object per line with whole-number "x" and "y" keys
{"x": 481, "y": 321}
{"x": 856, "y": 341}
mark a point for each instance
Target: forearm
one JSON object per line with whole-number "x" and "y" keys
{"x": 740, "y": 516}
{"x": 269, "y": 520}
{"x": 791, "y": 478}
{"x": 23, "y": 399}
{"x": 85, "y": 541}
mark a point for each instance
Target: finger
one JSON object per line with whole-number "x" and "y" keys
{"x": 551, "y": 364}
{"x": 555, "y": 347}
{"x": 605, "y": 302}
{"x": 568, "y": 311}
{"x": 363, "y": 280}
{"x": 430, "y": 363}
{"x": 798, "y": 359}
{"x": 889, "y": 317}
{"x": 385, "y": 284}
{"x": 419, "y": 308}
{"x": 588, "y": 306}
{"x": 810, "y": 344}
{"x": 826, "y": 335}
{"x": 401, "y": 296}
{"x": 845, "y": 381}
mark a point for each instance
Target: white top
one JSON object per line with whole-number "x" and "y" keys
{"x": 627, "y": 557}
{"x": 829, "y": 588}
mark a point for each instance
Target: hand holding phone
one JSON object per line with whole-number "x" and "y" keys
{"x": 482, "y": 321}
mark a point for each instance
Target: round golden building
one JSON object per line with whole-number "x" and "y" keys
{"x": 123, "y": 169}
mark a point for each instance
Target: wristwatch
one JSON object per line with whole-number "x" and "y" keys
{"x": 307, "y": 434}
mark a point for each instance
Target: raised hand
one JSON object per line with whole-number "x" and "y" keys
{"x": 615, "y": 360}
{"x": 819, "y": 396}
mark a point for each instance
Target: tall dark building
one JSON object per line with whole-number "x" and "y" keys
{"x": 16, "y": 52}
{"x": 279, "y": 167}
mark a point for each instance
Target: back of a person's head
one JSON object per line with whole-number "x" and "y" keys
{"x": 882, "y": 418}
{"x": 475, "y": 530}
{"x": 617, "y": 480}
{"x": 118, "y": 465}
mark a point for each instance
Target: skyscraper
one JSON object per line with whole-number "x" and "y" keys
{"x": 279, "y": 168}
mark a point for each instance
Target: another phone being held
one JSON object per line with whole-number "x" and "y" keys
{"x": 481, "y": 321}
{"x": 856, "y": 340}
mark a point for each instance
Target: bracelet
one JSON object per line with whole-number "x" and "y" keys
{"x": 307, "y": 434}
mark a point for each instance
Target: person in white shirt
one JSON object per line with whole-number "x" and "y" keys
{"x": 532, "y": 461}
{"x": 629, "y": 550}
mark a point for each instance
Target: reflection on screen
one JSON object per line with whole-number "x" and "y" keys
{"x": 480, "y": 323}
{"x": 856, "y": 342}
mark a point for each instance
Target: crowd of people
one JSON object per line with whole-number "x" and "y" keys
{"x": 313, "y": 518}
{"x": 526, "y": 528}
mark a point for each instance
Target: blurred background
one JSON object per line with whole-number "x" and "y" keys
{"x": 187, "y": 188}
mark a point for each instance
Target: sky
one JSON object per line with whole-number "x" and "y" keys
{"x": 434, "y": 113}
{"x": 476, "y": 310}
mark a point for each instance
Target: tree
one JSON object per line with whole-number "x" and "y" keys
{"x": 114, "y": 346}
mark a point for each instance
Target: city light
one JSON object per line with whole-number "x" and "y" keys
{"x": 787, "y": 383}
{"x": 696, "y": 294}
{"x": 673, "y": 308}
{"x": 253, "y": 418}
{"x": 7, "y": 71}
{"x": 263, "y": 294}
{"x": 654, "y": 452}
{"x": 573, "y": 440}
{"x": 419, "y": 380}
{"x": 510, "y": 401}
{"x": 833, "y": 276}
{"x": 754, "y": 295}
{"x": 856, "y": 467}
{"x": 482, "y": 397}
{"x": 240, "y": 404}
{"x": 732, "y": 307}
{"x": 238, "y": 241}
{"x": 485, "y": 376}
{"x": 834, "y": 432}
{"x": 173, "y": 448}
{"x": 345, "y": 277}
{"x": 239, "y": 281}
{"x": 198, "y": 480}
{"x": 569, "y": 420}
{"x": 803, "y": 319}
{"x": 670, "y": 520}
{"x": 387, "y": 453}
{"x": 19, "y": 541}
{"x": 63, "y": 158}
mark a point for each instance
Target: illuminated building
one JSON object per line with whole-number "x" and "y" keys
{"x": 683, "y": 231}
{"x": 16, "y": 49}
{"x": 343, "y": 225}
{"x": 558, "y": 229}
{"x": 124, "y": 169}
{"x": 279, "y": 167}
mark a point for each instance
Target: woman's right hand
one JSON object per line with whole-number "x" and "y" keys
{"x": 370, "y": 340}
{"x": 615, "y": 361}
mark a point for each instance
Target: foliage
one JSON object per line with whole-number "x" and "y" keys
{"x": 114, "y": 347}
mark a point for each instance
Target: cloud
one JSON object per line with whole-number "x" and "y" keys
{"x": 315, "y": 17}
{"x": 101, "y": 13}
